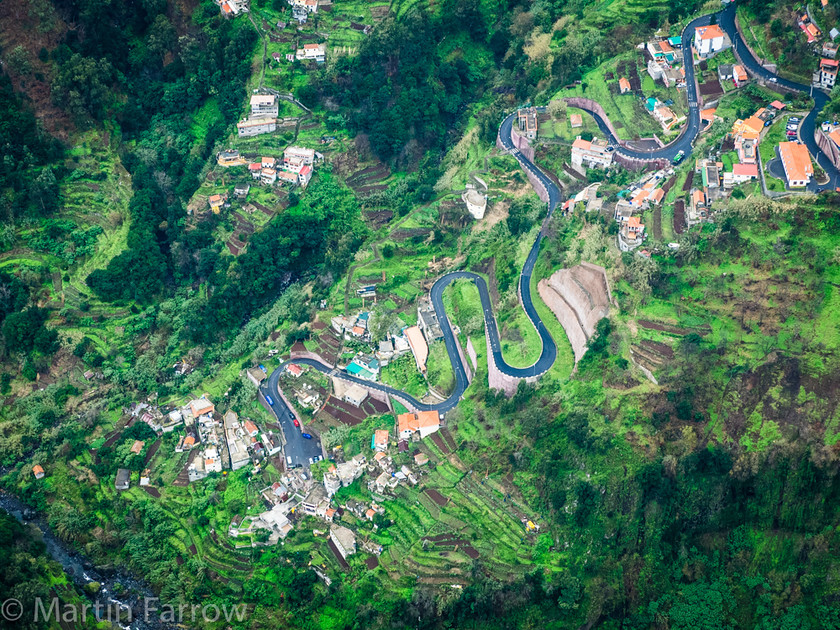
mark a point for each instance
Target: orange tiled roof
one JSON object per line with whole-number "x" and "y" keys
{"x": 796, "y": 160}
{"x": 623, "y": 83}
{"x": 709, "y": 32}
{"x": 406, "y": 422}
{"x": 427, "y": 419}
{"x": 708, "y": 114}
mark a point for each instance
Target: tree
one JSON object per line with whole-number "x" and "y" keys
{"x": 43, "y": 191}
{"x": 82, "y": 85}
{"x": 25, "y": 331}
{"x": 523, "y": 213}
{"x": 558, "y": 109}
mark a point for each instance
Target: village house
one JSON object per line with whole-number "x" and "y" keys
{"x": 710, "y": 174}
{"x": 527, "y": 122}
{"x": 379, "y": 441}
{"x": 263, "y": 105}
{"x": 355, "y": 395}
{"x": 293, "y": 155}
{"x": 631, "y": 234}
{"x": 624, "y": 85}
{"x": 809, "y": 28}
{"x": 740, "y": 173}
{"x": 255, "y": 169}
{"x": 707, "y": 116}
{"x": 661, "y": 71}
{"x": 240, "y": 191}
{"x": 666, "y": 117}
{"x": 595, "y": 153}
{"x": 739, "y": 75}
{"x": 255, "y": 375}
{"x": 237, "y": 448}
{"x": 725, "y": 72}
{"x": 228, "y": 158}
{"x": 698, "y": 210}
{"x": 38, "y": 471}
{"x": 828, "y": 73}
{"x": 294, "y": 369}
{"x": 255, "y": 126}
{"x": 576, "y": 120}
{"x": 662, "y": 50}
{"x": 423, "y": 423}
{"x": 137, "y": 447}
{"x": 251, "y": 428}
{"x": 312, "y": 52}
{"x": 316, "y": 502}
{"x": 746, "y": 134}
{"x": 710, "y": 40}
{"x": 344, "y": 540}
{"x": 186, "y": 443}
{"x": 308, "y": 6}
{"x": 272, "y": 443}
{"x": 200, "y": 407}
{"x": 797, "y": 163}
{"x": 268, "y": 176}
{"x": 216, "y": 202}
{"x": 123, "y": 480}
{"x": 418, "y": 346}
{"x": 421, "y": 459}
{"x": 428, "y": 322}
{"x": 145, "y": 477}
{"x": 275, "y": 520}
{"x": 829, "y": 50}
{"x": 287, "y": 177}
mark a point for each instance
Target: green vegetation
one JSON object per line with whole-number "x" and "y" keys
{"x": 681, "y": 475}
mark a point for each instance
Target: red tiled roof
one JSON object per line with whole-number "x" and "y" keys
{"x": 745, "y": 169}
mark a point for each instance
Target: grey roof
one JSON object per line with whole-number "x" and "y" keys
{"x": 123, "y": 477}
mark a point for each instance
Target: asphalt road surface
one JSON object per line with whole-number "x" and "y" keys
{"x": 298, "y": 448}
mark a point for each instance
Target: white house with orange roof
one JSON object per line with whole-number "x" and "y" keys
{"x": 828, "y": 73}
{"x": 710, "y": 40}
{"x": 422, "y": 423}
{"x": 797, "y": 164}
{"x": 312, "y": 52}
{"x": 631, "y": 234}
{"x": 595, "y": 153}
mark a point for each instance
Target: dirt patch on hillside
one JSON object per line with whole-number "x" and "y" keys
{"x": 436, "y": 496}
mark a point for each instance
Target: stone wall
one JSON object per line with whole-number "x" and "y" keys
{"x": 828, "y": 147}
{"x": 305, "y": 354}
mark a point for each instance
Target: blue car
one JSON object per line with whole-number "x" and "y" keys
{"x": 306, "y": 436}
{"x": 268, "y": 400}
{"x": 262, "y": 367}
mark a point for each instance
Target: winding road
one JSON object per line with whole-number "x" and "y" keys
{"x": 301, "y": 451}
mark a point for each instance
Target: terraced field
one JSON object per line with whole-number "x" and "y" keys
{"x": 478, "y": 520}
